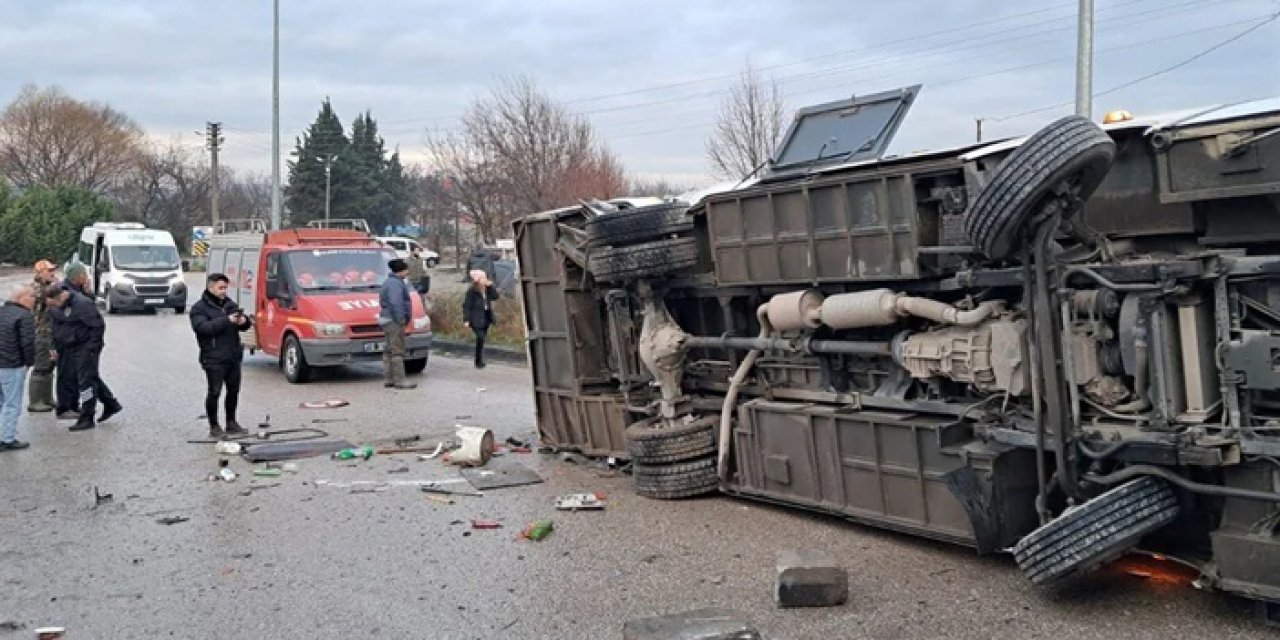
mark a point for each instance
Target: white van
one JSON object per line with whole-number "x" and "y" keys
{"x": 132, "y": 267}
{"x": 404, "y": 248}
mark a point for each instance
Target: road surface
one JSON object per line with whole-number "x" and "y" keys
{"x": 299, "y": 560}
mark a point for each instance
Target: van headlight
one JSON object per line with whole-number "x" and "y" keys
{"x": 422, "y": 324}
{"x": 330, "y": 330}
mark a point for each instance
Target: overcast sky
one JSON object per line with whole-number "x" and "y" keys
{"x": 648, "y": 74}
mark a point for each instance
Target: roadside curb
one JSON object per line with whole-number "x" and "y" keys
{"x": 446, "y": 346}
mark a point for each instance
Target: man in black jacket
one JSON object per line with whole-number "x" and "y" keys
{"x": 68, "y": 395}
{"x": 17, "y": 353}
{"x": 218, "y": 321}
{"x": 81, "y": 332}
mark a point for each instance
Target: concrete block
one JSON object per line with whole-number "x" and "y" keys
{"x": 703, "y": 624}
{"x": 810, "y": 578}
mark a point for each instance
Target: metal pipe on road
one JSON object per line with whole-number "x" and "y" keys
{"x": 847, "y": 347}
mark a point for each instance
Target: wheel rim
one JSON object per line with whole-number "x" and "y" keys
{"x": 291, "y": 359}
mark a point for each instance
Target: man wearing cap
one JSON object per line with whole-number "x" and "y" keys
{"x": 81, "y": 333}
{"x": 397, "y": 310}
{"x": 40, "y": 390}
{"x": 17, "y": 352}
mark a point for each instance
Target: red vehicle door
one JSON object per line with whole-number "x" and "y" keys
{"x": 273, "y": 310}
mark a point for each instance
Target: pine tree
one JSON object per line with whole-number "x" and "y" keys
{"x": 363, "y": 161}
{"x": 304, "y": 196}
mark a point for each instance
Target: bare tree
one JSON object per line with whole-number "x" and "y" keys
{"x": 50, "y": 139}
{"x": 748, "y": 128}
{"x": 167, "y": 187}
{"x": 657, "y": 187}
{"x": 519, "y": 151}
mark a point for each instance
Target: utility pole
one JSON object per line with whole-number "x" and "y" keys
{"x": 978, "y": 122}
{"x": 1084, "y": 60}
{"x": 275, "y": 117}
{"x": 214, "y": 131}
{"x": 328, "y": 170}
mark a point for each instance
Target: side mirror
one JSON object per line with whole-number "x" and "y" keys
{"x": 273, "y": 289}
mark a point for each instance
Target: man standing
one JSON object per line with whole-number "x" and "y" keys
{"x": 397, "y": 310}
{"x": 218, "y": 321}
{"x": 62, "y": 335}
{"x": 84, "y": 336}
{"x": 17, "y": 352}
{"x": 41, "y": 387}
{"x": 418, "y": 276}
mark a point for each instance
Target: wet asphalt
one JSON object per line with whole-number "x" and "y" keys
{"x": 289, "y": 558}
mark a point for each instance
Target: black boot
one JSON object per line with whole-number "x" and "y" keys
{"x": 215, "y": 432}
{"x": 84, "y": 423}
{"x": 234, "y": 428}
{"x": 110, "y": 408}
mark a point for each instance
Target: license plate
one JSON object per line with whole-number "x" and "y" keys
{"x": 375, "y": 347}
{"x": 154, "y": 300}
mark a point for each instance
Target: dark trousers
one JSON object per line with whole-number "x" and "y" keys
{"x": 219, "y": 375}
{"x": 67, "y": 381}
{"x": 481, "y": 334}
{"x": 92, "y": 388}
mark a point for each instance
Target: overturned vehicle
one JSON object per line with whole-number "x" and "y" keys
{"x": 1065, "y": 346}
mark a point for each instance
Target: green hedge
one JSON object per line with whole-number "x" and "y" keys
{"x": 45, "y": 224}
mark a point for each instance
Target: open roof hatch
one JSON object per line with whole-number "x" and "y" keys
{"x": 859, "y": 128}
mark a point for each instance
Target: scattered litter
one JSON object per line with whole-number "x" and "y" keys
{"x": 537, "y": 530}
{"x": 168, "y": 520}
{"x": 227, "y": 474}
{"x": 12, "y": 625}
{"x": 437, "y": 488}
{"x": 329, "y": 420}
{"x": 350, "y": 453}
{"x": 516, "y": 442}
{"x": 227, "y": 448}
{"x": 440, "y": 499}
{"x": 462, "y": 417}
{"x": 476, "y": 446}
{"x": 267, "y": 472}
{"x": 391, "y": 483}
{"x": 266, "y": 422}
{"x": 100, "y": 499}
{"x": 438, "y": 450}
{"x": 703, "y": 623}
{"x": 291, "y": 467}
{"x": 330, "y": 403}
{"x": 248, "y": 491}
{"x": 399, "y": 470}
{"x": 486, "y": 524}
{"x": 575, "y": 501}
{"x": 500, "y": 473}
{"x": 374, "y": 489}
{"x": 51, "y": 633}
{"x": 270, "y": 452}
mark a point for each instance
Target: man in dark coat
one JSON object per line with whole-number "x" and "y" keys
{"x": 17, "y": 353}
{"x": 217, "y": 321}
{"x": 82, "y": 334}
{"x": 60, "y": 335}
{"x": 477, "y": 310}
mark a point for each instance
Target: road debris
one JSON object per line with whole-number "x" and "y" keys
{"x": 438, "y": 450}
{"x": 100, "y": 499}
{"x": 702, "y": 624}
{"x": 329, "y": 403}
{"x": 476, "y": 446}
{"x": 274, "y": 451}
{"x": 12, "y": 625}
{"x": 225, "y": 447}
{"x": 810, "y": 578}
{"x": 399, "y": 470}
{"x": 329, "y": 420}
{"x": 51, "y": 633}
{"x": 438, "y": 488}
{"x": 350, "y": 453}
{"x": 267, "y": 472}
{"x": 485, "y": 524}
{"x": 537, "y": 530}
{"x": 498, "y": 474}
{"x": 171, "y": 520}
{"x": 440, "y": 499}
{"x": 227, "y": 474}
{"x": 576, "y": 501}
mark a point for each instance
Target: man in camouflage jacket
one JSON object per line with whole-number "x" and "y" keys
{"x": 40, "y": 398}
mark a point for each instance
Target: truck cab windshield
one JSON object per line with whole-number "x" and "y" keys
{"x": 338, "y": 269}
{"x": 145, "y": 257}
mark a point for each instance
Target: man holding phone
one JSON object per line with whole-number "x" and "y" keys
{"x": 218, "y": 321}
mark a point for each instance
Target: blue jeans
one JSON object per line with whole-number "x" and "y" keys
{"x": 11, "y": 382}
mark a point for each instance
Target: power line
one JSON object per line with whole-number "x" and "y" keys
{"x": 1267, "y": 19}
{"x": 1153, "y": 74}
{"x": 900, "y": 72}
